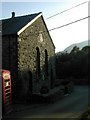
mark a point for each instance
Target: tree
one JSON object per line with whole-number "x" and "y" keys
{"x": 75, "y": 49}
{"x": 74, "y": 64}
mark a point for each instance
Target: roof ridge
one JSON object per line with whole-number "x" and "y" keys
{"x": 16, "y": 23}
{"x": 21, "y": 16}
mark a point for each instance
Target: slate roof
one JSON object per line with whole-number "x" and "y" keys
{"x": 13, "y": 25}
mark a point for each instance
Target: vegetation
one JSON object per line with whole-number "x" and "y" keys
{"x": 86, "y": 115}
{"x": 74, "y": 64}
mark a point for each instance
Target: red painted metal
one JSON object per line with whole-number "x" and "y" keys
{"x": 6, "y": 92}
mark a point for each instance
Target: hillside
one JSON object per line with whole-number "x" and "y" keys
{"x": 80, "y": 45}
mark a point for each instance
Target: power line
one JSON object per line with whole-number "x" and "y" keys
{"x": 69, "y": 23}
{"x": 66, "y": 10}
{"x": 62, "y": 25}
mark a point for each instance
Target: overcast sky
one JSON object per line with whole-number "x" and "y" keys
{"x": 63, "y": 36}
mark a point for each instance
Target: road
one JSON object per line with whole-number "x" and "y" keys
{"x": 71, "y": 106}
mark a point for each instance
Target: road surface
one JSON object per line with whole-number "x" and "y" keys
{"x": 71, "y": 106}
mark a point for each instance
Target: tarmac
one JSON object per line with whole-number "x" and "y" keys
{"x": 40, "y": 99}
{"x": 52, "y": 96}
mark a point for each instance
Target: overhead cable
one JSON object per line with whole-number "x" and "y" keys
{"x": 66, "y": 10}
{"x": 69, "y": 23}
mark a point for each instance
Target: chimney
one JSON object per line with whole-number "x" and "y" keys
{"x": 13, "y": 14}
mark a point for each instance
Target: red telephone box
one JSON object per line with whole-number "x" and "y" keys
{"x": 6, "y": 92}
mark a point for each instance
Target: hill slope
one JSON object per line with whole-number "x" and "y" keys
{"x": 80, "y": 45}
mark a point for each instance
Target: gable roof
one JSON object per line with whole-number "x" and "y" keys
{"x": 18, "y": 24}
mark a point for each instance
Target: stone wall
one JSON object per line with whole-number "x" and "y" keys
{"x": 20, "y": 57}
{"x": 35, "y": 36}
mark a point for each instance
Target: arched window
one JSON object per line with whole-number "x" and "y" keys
{"x": 46, "y": 62}
{"x": 37, "y": 63}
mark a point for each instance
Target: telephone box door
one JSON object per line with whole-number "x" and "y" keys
{"x": 6, "y": 92}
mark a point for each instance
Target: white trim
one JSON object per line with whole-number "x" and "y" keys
{"x": 20, "y": 31}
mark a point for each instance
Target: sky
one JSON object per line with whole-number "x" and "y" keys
{"x": 64, "y": 36}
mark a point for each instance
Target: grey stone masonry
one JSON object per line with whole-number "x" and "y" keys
{"x": 30, "y": 58}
